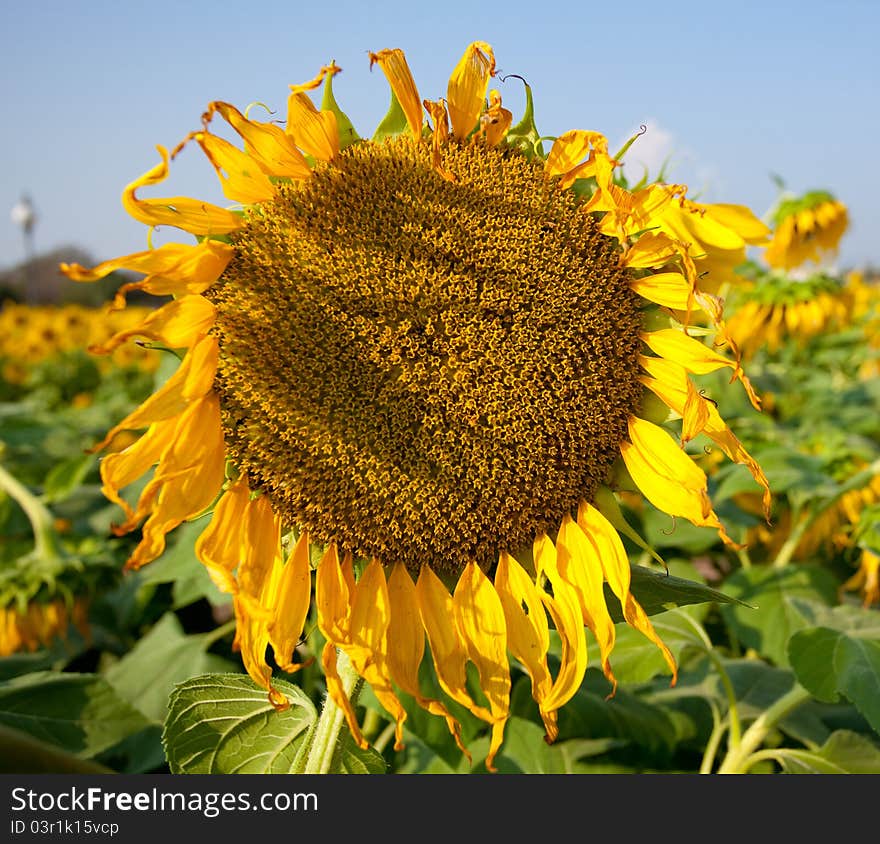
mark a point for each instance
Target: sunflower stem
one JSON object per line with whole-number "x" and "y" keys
{"x": 45, "y": 540}
{"x": 741, "y": 757}
{"x": 324, "y": 744}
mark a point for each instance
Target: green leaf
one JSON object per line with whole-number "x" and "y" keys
{"x": 636, "y": 658}
{"x": 180, "y": 566}
{"x": 831, "y": 663}
{"x": 160, "y": 660}
{"x": 23, "y": 754}
{"x": 66, "y": 476}
{"x": 524, "y": 751}
{"x": 591, "y": 714}
{"x": 353, "y": 760}
{"x": 224, "y": 724}
{"x": 776, "y": 615}
{"x": 845, "y": 752}
{"x": 80, "y": 713}
{"x": 393, "y": 123}
{"x": 658, "y": 592}
{"x": 347, "y": 133}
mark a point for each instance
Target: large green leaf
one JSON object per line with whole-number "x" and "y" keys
{"x": 180, "y": 566}
{"x": 636, "y": 658}
{"x": 776, "y": 614}
{"x": 224, "y": 724}
{"x": 845, "y": 752}
{"x": 66, "y": 476}
{"x": 525, "y": 751}
{"x": 657, "y": 592}
{"x": 81, "y": 713}
{"x": 159, "y": 661}
{"x": 832, "y": 663}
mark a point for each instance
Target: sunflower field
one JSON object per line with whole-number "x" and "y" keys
{"x": 445, "y": 447}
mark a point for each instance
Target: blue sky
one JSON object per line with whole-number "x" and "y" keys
{"x": 731, "y": 92}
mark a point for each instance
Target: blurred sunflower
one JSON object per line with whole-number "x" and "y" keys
{"x": 28, "y": 626}
{"x": 772, "y": 308}
{"x": 806, "y": 228}
{"x": 33, "y": 333}
{"x": 425, "y": 353}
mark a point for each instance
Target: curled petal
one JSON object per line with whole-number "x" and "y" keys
{"x": 179, "y": 324}
{"x": 174, "y": 269}
{"x": 695, "y": 356}
{"x": 241, "y": 177}
{"x": 615, "y": 566}
{"x": 315, "y": 132}
{"x": 192, "y": 380}
{"x": 268, "y": 145}
{"x": 191, "y": 215}
{"x": 187, "y": 479}
{"x": 397, "y": 72}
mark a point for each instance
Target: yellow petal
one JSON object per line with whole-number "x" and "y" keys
{"x": 671, "y": 384}
{"x": 528, "y": 634}
{"x": 241, "y": 177}
{"x": 671, "y": 290}
{"x": 673, "y": 344}
{"x": 580, "y": 566}
{"x": 368, "y": 641}
{"x": 192, "y": 380}
{"x": 466, "y": 92}
{"x": 566, "y": 157}
{"x": 180, "y": 323}
{"x": 615, "y": 566}
{"x": 221, "y": 545}
{"x": 191, "y": 215}
{"x": 273, "y": 150}
{"x": 254, "y": 601}
{"x": 480, "y": 619}
{"x": 447, "y": 647}
{"x": 397, "y": 72}
{"x": 406, "y": 647}
{"x": 315, "y": 132}
{"x": 188, "y": 477}
{"x": 439, "y": 134}
{"x": 173, "y": 269}
{"x": 740, "y": 219}
{"x": 122, "y": 468}
{"x": 495, "y": 121}
{"x": 652, "y": 249}
{"x": 336, "y": 691}
{"x": 291, "y": 606}
{"x": 565, "y": 608}
{"x": 332, "y": 596}
{"x": 667, "y": 476}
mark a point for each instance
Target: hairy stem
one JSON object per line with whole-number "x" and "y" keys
{"x": 330, "y": 722}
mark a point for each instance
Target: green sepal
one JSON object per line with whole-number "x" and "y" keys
{"x": 605, "y": 502}
{"x": 347, "y": 133}
{"x": 393, "y": 123}
{"x": 525, "y": 136}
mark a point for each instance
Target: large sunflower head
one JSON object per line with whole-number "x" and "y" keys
{"x": 425, "y": 353}
{"x": 806, "y": 229}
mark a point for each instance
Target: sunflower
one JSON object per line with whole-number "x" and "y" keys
{"x": 806, "y": 228}
{"x": 40, "y": 623}
{"x": 33, "y": 333}
{"x": 426, "y": 354}
{"x": 772, "y": 308}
